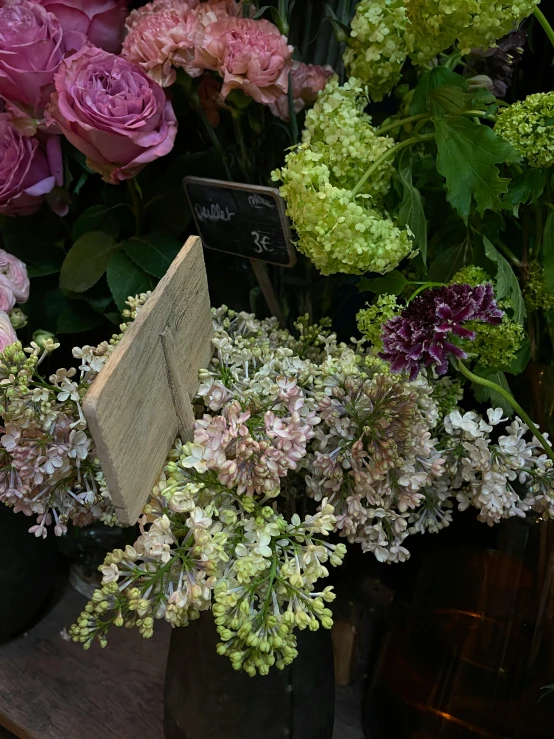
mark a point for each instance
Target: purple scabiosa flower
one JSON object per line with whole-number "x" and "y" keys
{"x": 421, "y": 335}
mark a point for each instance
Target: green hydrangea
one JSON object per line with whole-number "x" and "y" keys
{"x": 338, "y": 230}
{"x": 470, "y": 275}
{"x": 338, "y": 122}
{"x": 495, "y": 346}
{"x": 529, "y": 127}
{"x": 371, "y": 319}
{"x": 536, "y": 293}
{"x": 379, "y": 43}
{"x": 437, "y": 24}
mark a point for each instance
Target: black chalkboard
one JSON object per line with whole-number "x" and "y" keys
{"x": 245, "y": 220}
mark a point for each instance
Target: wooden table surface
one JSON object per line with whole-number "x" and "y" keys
{"x": 51, "y": 689}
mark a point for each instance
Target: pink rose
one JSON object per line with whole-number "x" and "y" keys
{"x": 7, "y": 298}
{"x": 99, "y": 21}
{"x": 16, "y": 272}
{"x": 250, "y": 55}
{"x": 29, "y": 169}
{"x": 7, "y": 334}
{"x": 31, "y": 49}
{"x": 159, "y": 41}
{"x": 308, "y": 80}
{"x": 113, "y": 112}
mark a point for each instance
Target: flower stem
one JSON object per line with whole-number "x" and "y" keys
{"x": 137, "y": 204}
{"x": 391, "y": 152}
{"x": 539, "y": 15}
{"x": 402, "y": 122}
{"x": 512, "y": 401}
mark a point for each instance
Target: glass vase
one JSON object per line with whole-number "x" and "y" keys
{"x": 206, "y": 699}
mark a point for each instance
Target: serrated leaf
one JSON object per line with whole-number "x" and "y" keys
{"x": 393, "y": 283}
{"x": 449, "y": 101}
{"x": 410, "y": 211}
{"x": 432, "y": 80}
{"x": 507, "y": 285}
{"x": 548, "y": 251}
{"x": 468, "y": 153}
{"x": 488, "y": 395}
{"x": 153, "y": 253}
{"x": 126, "y": 279}
{"x": 86, "y": 261}
{"x": 525, "y": 188}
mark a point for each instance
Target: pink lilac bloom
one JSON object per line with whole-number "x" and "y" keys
{"x": 421, "y": 336}
{"x": 16, "y": 272}
{"x": 250, "y": 55}
{"x": 308, "y": 80}
{"x": 100, "y": 22}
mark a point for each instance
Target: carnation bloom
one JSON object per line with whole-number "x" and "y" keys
{"x": 16, "y": 272}
{"x": 163, "y": 39}
{"x": 308, "y": 80}
{"x": 250, "y": 55}
{"x": 421, "y": 336}
{"x": 7, "y": 333}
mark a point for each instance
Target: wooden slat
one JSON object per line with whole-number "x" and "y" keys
{"x": 130, "y": 407}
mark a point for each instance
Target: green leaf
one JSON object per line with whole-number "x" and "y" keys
{"x": 126, "y": 279}
{"x": 467, "y": 155}
{"x": 86, "y": 261}
{"x": 445, "y": 264}
{"x": 153, "y": 253}
{"x": 97, "y": 218}
{"x": 507, "y": 285}
{"x": 340, "y": 30}
{"x": 449, "y": 101}
{"x": 521, "y": 359}
{"x": 548, "y": 251}
{"x": 526, "y": 188}
{"x": 410, "y": 212}
{"x": 432, "y": 80}
{"x": 489, "y": 396}
{"x": 52, "y": 310}
{"x": 393, "y": 283}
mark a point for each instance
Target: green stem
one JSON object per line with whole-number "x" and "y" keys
{"x": 425, "y": 286}
{"x": 512, "y": 401}
{"x": 214, "y": 139}
{"x": 244, "y": 161}
{"x": 403, "y": 122}
{"x": 539, "y": 15}
{"x": 137, "y": 204}
{"x": 389, "y": 153}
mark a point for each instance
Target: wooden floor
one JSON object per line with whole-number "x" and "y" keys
{"x": 51, "y": 689}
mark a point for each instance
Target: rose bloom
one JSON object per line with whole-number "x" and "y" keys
{"x": 31, "y": 49}
{"x": 159, "y": 41}
{"x": 7, "y": 333}
{"x": 113, "y": 112}
{"x": 250, "y": 55}
{"x": 308, "y": 80}
{"x": 16, "y": 272}
{"x": 29, "y": 169}
{"x": 99, "y": 21}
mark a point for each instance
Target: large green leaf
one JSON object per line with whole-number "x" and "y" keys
{"x": 86, "y": 261}
{"x": 410, "y": 210}
{"x": 446, "y": 263}
{"x": 98, "y": 218}
{"x": 527, "y": 187}
{"x": 392, "y": 283}
{"x": 153, "y": 253}
{"x": 468, "y": 153}
{"x": 548, "y": 251}
{"x": 126, "y": 278}
{"x": 436, "y": 78}
{"x": 507, "y": 285}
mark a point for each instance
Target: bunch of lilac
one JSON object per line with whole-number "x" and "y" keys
{"x": 48, "y": 468}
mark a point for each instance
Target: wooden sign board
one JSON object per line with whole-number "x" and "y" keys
{"x": 245, "y": 220}
{"x": 140, "y": 401}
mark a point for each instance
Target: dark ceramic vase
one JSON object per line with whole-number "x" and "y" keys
{"x": 206, "y": 699}
{"x": 27, "y": 573}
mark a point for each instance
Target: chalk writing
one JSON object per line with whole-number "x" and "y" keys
{"x": 213, "y": 213}
{"x": 258, "y": 201}
{"x": 261, "y": 241}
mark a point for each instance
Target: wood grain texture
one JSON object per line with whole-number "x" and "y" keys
{"x": 52, "y": 689}
{"x": 130, "y": 407}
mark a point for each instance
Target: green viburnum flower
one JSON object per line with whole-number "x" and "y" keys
{"x": 528, "y": 127}
{"x": 470, "y": 275}
{"x": 371, "y": 319}
{"x": 437, "y": 24}
{"x": 536, "y": 293}
{"x": 341, "y": 231}
{"x": 379, "y": 43}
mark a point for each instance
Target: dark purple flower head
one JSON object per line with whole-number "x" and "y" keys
{"x": 421, "y": 335}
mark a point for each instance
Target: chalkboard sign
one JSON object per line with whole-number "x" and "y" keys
{"x": 246, "y": 220}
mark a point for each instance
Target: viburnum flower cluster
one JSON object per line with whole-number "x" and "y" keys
{"x": 339, "y": 229}
{"x": 528, "y": 126}
{"x": 48, "y": 467}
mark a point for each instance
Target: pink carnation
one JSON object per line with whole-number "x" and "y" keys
{"x": 7, "y": 334}
{"x": 16, "y": 273}
{"x": 218, "y": 10}
{"x": 308, "y": 80}
{"x": 161, "y": 36}
{"x": 250, "y": 55}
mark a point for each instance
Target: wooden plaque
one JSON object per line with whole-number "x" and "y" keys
{"x": 140, "y": 401}
{"x": 246, "y": 220}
